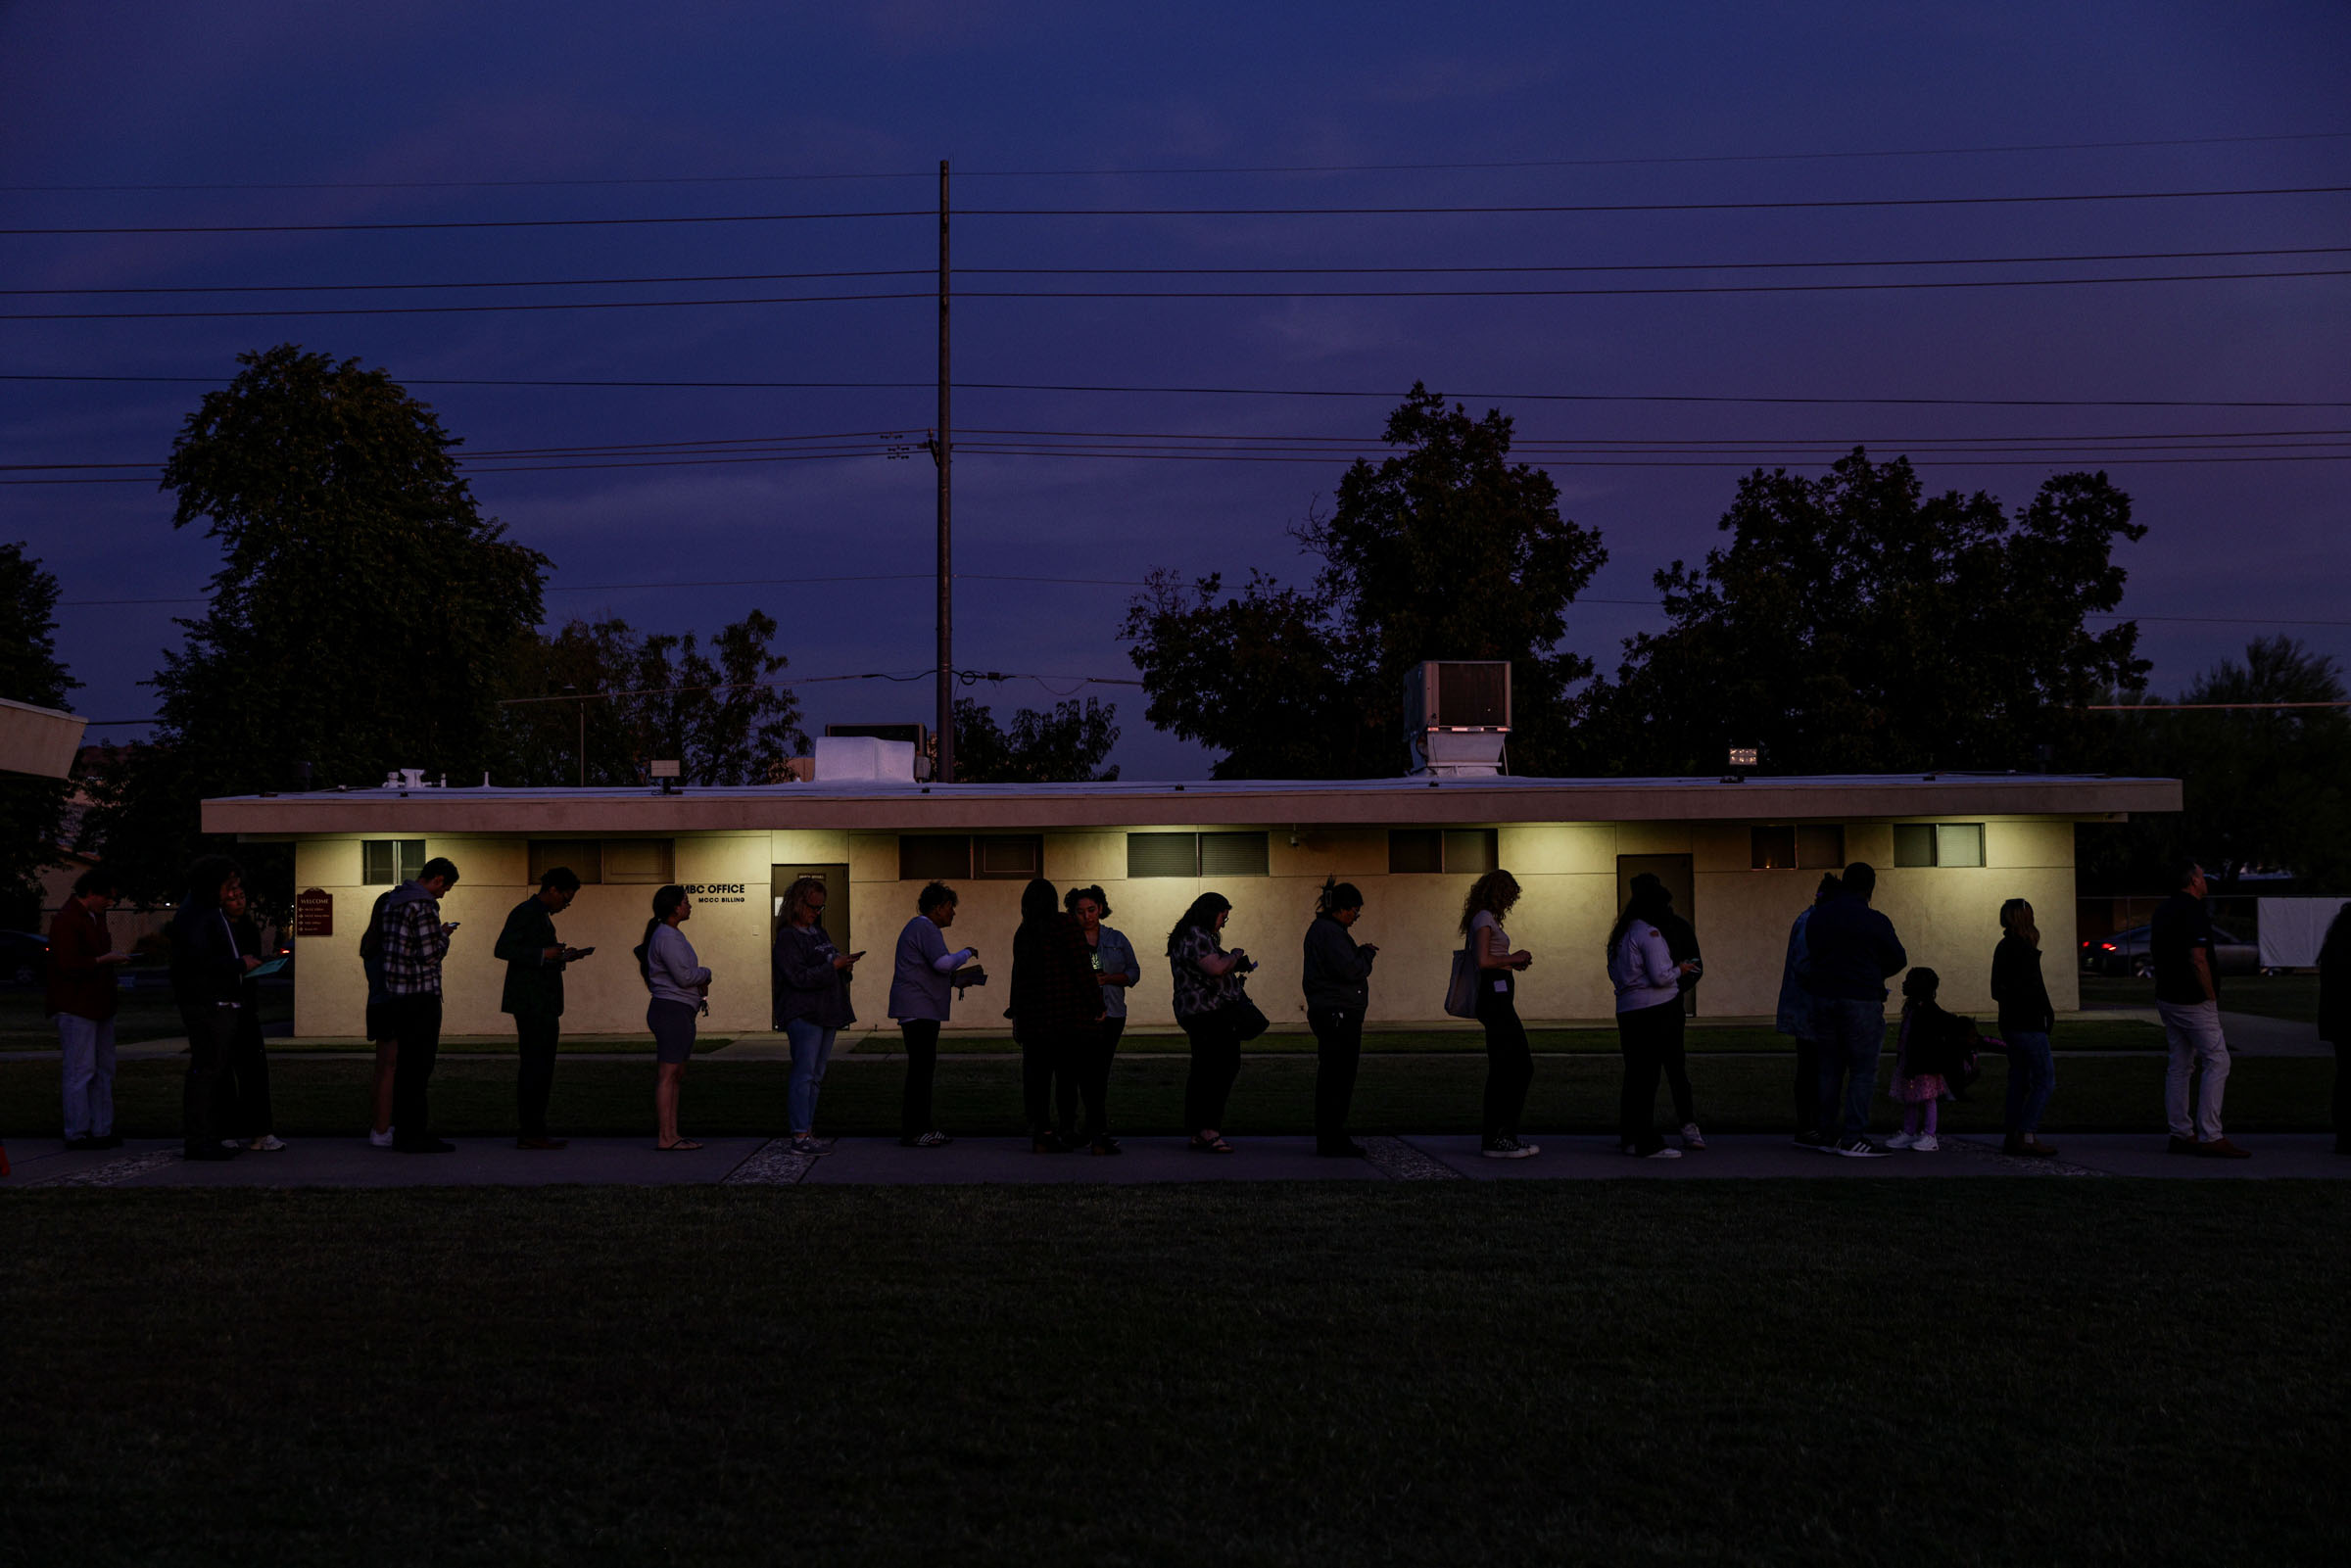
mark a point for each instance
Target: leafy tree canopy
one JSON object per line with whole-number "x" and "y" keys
{"x": 1446, "y": 550}
{"x": 716, "y": 709}
{"x": 1855, "y": 624}
{"x": 1064, "y": 744}
{"x": 31, "y": 810}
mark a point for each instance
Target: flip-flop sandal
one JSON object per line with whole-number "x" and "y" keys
{"x": 681, "y": 1146}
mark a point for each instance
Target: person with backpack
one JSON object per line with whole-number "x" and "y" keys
{"x": 1337, "y": 978}
{"x": 1510, "y": 1062}
{"x": 382, "y": 1032}
{"x": 533, "y": 996}
{"x": 415, "y": 940}
{"x": 680, "y": 990}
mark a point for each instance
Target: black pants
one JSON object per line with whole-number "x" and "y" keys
{"x": 1677, "y": 1071}
{"x": 1647, "y": 1035}
{"x": 921, "y": 1067}
{"x": 204, "y": 1092}
{"x": 1338, "y": 1053}
{"x": 416, "y": 1024}
{"x": 1084, "y": 1076}
{"x": 246, "y": 1079}
{"x": 2343, "y": 1096}
{"x": 1041, "y": 1058}
{"x": 1216, "y": 1063}
{"x": 1510, "y": 1063}
{"x": 535, "y": 1037}
{"x": 1807, "y": 1084}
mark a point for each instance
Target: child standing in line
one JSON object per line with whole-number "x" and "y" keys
{"x": 1919, "y": 1061}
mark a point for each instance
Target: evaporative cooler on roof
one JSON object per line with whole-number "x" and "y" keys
{"x": 1456, "y": 716}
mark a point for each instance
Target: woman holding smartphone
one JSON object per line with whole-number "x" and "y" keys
{"x": 1510, "y": 1063}
{"x": 681, "y": 993}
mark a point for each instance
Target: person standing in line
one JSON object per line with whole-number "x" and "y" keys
{"x": 811, "y": 1002}
{"x": 382, "y": 1031}
{"x": 2026, "y": 1019}
{"x": 1206, "y": 980}
{"x": 681, "y": 993}
{"x": 923, "y": 978}
{"x": 1796, "y": 1019}
{"x": 1681, "y": 941}
{"x": 1649, "y": 1015}
{"x": 414, "y": 941}
{"x": 1922, "y": 1049}
{"x": 251, "y": 1121}
{"x": 2334, "y": 1016}
{"x": 81, "y": 1000}
{"x": 207, "y": 979}
{"x": 1510, "y": 1063}
{"x": 2187, "y": 997}
{"x": 1337, "y": 978}
{"x": 533, "y": 996}
{"x": 1116, "y": 968}
{"x": 1056, "y": 1006}
{"x": 1852, "y": 950}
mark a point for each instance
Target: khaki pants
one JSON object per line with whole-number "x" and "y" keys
{"x": 2192, "y": 1029}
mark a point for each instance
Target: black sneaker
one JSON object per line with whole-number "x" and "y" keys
{"x": 1813, "y": 1140}
{"x": 1507, "y": 1147}
{"x": 1859, "y": 1149}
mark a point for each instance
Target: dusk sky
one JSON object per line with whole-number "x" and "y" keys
{"x": 2221, "y": 403}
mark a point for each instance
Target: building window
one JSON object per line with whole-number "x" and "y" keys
{"x": 1470, "y": 851}
{"x": 583, "y": 857}
{"x": 1196, "y": 855}
{"x": 386, "y": 862}
{"x": 1810, "y": 846}
{"x": 640, "y": 860}
{"x": 1939, "y": 843}
{"x": 985, "y": 857}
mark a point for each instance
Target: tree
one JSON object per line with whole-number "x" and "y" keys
{"x": 2266, "y": 788}
{"x": 1444, "y": 550}
{"x": 363, "y": 616}
{"x": 1856, "y": 625}
{"x": 1066, "y": 744}
{"x": 31, "y": 810}
{"x": 637, "y": 697}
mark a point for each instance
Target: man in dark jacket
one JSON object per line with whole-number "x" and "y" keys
{"x": 1337, "y": 978}
{"x": 534, "y": 994}
{"x": 1852, "y": 950}
{"x": 207, "y": 979}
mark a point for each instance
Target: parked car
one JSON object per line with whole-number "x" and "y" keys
{"x": 2128, "y": 953}
{"x": 24, "y": 960}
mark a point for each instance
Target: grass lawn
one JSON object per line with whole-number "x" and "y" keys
{"x": 2270, "y": 996}
{"x": 145, "y": 1016}
{"x": 498, "y": 1044}
{"x": 1923, "y": 1371}
{"x": 1395, "y": 1094}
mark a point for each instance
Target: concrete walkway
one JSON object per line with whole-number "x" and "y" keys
{"x": 758, "y": 1161}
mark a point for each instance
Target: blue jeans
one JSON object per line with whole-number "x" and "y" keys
{"x": 2031, "y": 1076}
{"x": 1851, "y": 1033}
{"x": 87, "y": 1047}
{"x": 811, "y": 1049}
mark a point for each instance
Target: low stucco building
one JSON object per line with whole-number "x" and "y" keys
{"x": 1742, "y": 856}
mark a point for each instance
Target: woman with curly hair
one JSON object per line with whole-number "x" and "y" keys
{"x": 1510, "y": 1063}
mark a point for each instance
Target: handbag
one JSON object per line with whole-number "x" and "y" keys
{"x": 1243, "y": 1019}
{"x": 1460, "y": 992}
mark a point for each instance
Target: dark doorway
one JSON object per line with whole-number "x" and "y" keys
{"x": 1676, "y": 872}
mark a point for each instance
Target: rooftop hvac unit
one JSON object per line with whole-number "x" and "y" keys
{"x": 1456, "y": 716}
{"x": 915, "y": 734}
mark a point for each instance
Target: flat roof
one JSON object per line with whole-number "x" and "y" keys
{"x": 1251, "y": 802}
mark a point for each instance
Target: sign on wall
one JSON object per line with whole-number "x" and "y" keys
{"x": 314, "y": 913}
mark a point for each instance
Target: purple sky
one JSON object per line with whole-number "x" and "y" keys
{"x": 244, "y": 94}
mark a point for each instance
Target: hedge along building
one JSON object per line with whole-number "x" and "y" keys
{"x": 1743, "y": 858}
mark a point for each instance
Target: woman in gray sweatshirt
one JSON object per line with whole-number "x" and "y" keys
{"x": 681, "y": 992}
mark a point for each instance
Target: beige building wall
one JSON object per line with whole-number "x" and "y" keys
{"x": 1947, "y": 917}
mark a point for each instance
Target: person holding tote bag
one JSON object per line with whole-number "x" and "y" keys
{"x": 1216, "y": 1015}
{"x": 681, "y": 992}
{"x": 1510, "y": 1063}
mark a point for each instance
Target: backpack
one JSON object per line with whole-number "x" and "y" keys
{"x": 371, "y": 940}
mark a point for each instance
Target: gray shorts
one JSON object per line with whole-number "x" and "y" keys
{"x": 672, "y": 1023}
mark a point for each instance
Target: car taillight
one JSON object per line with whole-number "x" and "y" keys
{"x": 2108, "y": 947}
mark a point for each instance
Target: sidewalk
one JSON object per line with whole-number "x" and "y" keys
{"x": 757, "y": 1162}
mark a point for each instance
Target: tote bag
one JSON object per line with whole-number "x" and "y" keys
{"x": 1461, "y": 994}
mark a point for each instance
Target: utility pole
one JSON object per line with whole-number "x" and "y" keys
{"x": 942, "y": 453}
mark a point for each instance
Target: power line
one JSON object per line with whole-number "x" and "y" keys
{"x": 1256, "y": 169}
{"x": 1457, "y": 211}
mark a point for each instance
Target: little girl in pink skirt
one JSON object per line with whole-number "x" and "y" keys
{"x": 1918, "y": 1061}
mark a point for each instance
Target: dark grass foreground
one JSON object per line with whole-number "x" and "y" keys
{"x": 1915, "y": 1372}
{"x": 475, "y": 1097}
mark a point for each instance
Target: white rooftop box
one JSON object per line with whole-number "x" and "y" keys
{"x": 863, "y": 759}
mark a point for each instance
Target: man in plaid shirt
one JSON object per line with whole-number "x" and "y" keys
{"x": 414, "y": 940}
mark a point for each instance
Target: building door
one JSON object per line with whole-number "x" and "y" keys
{"x": 1674, "y": 870}
{"x": 836, "y": 899}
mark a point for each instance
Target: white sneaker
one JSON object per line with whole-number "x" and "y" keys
{"x": 1690, "y": 1137}
{"x": 1669, "y": 1154}
{"x": 267, "y": 1143}
{"x": 232, "y": 1143}
{"x": 1901, "y": 1140}
{"x": 382, "y": 1140}
{"x": 1924, "y": 1144}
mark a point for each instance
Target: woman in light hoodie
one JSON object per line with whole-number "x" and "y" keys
{"x": 1649, "y": 1018}
{"x": 681, "y": 992}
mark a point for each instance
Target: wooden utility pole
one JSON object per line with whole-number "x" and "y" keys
{"x": 942, "y": 453}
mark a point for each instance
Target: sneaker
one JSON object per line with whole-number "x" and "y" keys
{"x": 806, "y": 1146}
{"x": 1901, "y": 1140}
{"x": 1811, "y": 1140}
{"x": 1507, "y": 1147}
{"x": 1105, "y": 1145}
{"x": 2222, "y": 1149}
{"x": 1925, "y": 1144}
{"x": 381, "y": 1140}
{"x": 232, "y": 1143}
{"x": 267, "y": 1143}
{"x": 1692, "y": 1138}
{"x": 929, "y": 1140}
{"x": 1859, "y": 1149}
